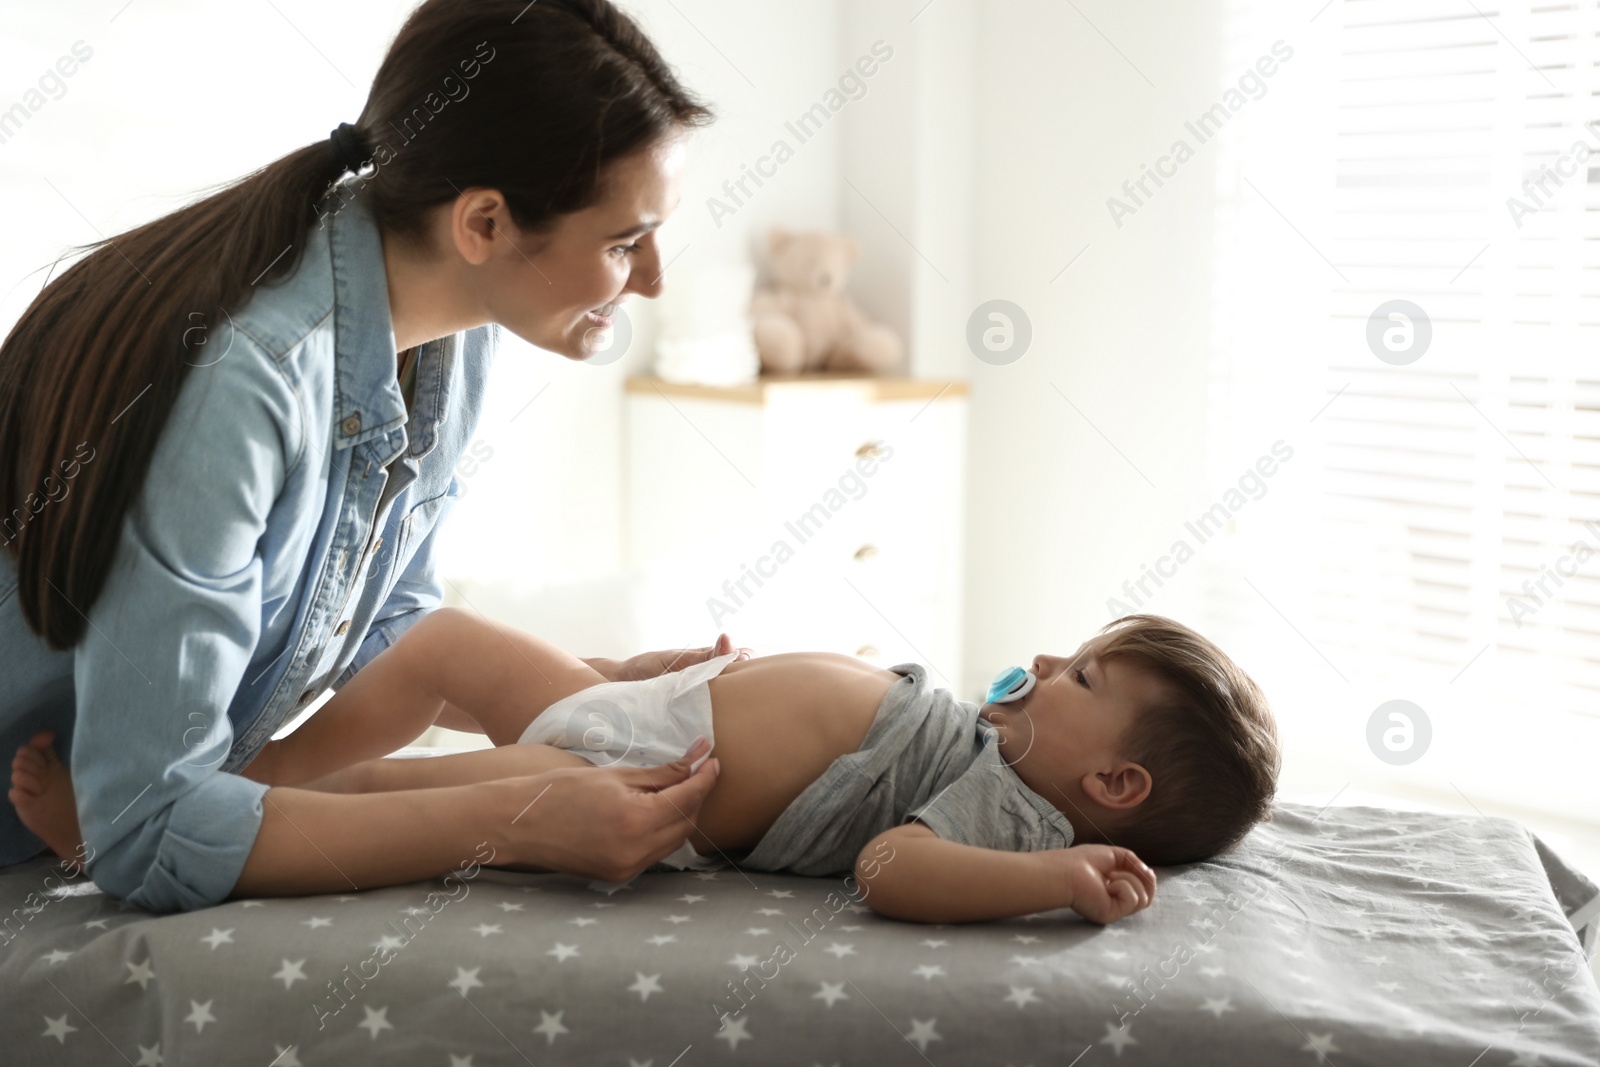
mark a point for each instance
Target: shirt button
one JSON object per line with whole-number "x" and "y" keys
{"x": 343, "y": 626}
{"x": 351, "y": 424}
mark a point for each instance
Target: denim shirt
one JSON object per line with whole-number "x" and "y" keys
{"x": 271, "y": 553}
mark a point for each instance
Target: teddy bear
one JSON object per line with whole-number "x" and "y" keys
{"x": 805, "y": 322}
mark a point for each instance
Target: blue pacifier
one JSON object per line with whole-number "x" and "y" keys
{"x": 1013, "y": 683}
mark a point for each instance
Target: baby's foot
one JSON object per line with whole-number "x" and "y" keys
{"x": 41, "y": 791}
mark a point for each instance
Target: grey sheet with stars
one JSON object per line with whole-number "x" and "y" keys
{"x": 1353, "y": 936}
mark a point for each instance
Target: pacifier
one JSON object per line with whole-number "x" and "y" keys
{"x": 1013, "y": 683}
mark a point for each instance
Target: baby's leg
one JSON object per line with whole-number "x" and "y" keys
{"x": 496, "y": 673}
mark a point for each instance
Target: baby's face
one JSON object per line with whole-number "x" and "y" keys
{"x": 1069, "y": 725}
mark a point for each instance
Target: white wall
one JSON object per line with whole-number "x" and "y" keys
{"x": 1086, "y": 453}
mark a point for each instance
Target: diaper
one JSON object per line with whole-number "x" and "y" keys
{"x": 640, "y": 723}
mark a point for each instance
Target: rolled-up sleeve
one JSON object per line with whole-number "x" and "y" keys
{"x": 416, "y": 592}
{"x": 170, "y": 636}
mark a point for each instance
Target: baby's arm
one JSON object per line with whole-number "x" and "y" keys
{"x": 911, "y": 873}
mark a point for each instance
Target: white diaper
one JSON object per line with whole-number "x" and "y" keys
{"x": 637, "y": 724}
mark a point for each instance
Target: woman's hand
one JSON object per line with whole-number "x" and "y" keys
{"x": 1106, "y": 882}
{"x": 603, "y": 822}
{"x": 651, "y": 664}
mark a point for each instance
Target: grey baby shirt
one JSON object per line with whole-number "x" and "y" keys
{"x": 926, "y": 756}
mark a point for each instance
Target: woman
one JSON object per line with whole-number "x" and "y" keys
{"x": 228, "y": 438}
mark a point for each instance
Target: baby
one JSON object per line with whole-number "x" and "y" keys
{"x": 1146, "y": 742}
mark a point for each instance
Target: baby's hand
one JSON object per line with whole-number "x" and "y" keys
{"x": 1106, "y": 882}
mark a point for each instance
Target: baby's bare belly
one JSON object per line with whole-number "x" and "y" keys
{"x": 779, "y": 722}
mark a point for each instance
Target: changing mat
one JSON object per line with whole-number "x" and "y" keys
{"x": 1350, "y": 936}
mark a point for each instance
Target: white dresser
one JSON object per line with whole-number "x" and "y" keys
{"x": 822, "y": 512}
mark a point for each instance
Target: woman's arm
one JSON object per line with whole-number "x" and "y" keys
{"x": 911, "y": 873}
{"x": 608, "y": 823}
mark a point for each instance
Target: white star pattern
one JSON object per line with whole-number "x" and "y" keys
{"x": 733, "y": 1031}
{"x": 506, "y": 905}
{"x": 151, "y": 1057}
{"x": 840, "y": 951}
{"x": 583, "y": 921}
{"x": 922, "y": 1033}
{"x": 830, "y": 992}
{"x": 562, "y": 952}
{"x": 290, "y": 973}
{"x": 645, "y": 984}
{"x": 661, "y": 939}
{"x": 757, "y": 931}
{"x": 200, "y": 1014}
{"x": 1020, "y": 996}
{"x": 1117, "y": 1037}
{"x": 485, "y": 929}
{"x": 141, "y": 973}
{"x": 286, "y": 1057}
{"x": 550, "y": 1026}
{"x": 219, "y": 937}
{"x": 743, "y": 962}
{"x": 316, "y": 921}
{"x": 678, "y": 919}
{"x": 58, "y": 1028}
{"x": 781, "y": 894}
{"x": 1321, "y": 1044}
{"x": 929, "y": 971}
{"x": 97, "y": 924}
{"x": 377, "y": 1019}
{"x": 769, "y": 911}
{"x": 934, "y": 942}
{"x": 57, "y": 956}
{"x": 691, "y": 898}
{"x": 466, "y": 980}
{"x": 1218, "y": 1005}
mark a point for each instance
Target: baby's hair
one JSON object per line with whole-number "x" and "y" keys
{"x": 1208, "y": 740}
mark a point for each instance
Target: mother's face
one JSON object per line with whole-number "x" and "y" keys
{"x": 544, "y": 287}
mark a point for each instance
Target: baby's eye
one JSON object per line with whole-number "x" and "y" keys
{"x": 627, "y": 248}
{"x": 1083, "y": 679}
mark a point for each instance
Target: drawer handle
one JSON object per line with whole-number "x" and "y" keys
{"x": 867, "y": 651}
{"x": 870, "y": 450}
{"x": 865, "y": 552}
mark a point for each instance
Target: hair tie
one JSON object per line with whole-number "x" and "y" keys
{"x": 349, "y": 149}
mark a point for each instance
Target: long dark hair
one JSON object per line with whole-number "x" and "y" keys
{"x": 535, "y": 100}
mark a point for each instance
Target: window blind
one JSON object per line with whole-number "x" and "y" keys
{"x": 1464, "y": 489}
{"x": 1448, "y": 155}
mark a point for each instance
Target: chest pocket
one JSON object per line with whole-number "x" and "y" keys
{"x": 414, "y": 529}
